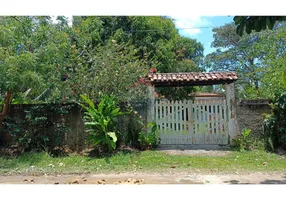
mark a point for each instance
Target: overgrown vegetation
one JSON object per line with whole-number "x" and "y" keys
{"x": 275, "y": 123}
{"x": 243, "y": 142}
{"x": 43, "y": 127}
{"x": 148, "y": 139}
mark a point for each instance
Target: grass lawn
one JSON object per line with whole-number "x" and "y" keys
{"x": 147, "y": 161}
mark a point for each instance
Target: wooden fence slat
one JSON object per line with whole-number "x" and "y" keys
{"x": 198, "y": 121}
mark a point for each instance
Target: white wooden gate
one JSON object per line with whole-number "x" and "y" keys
{"x": 199, "y": 121}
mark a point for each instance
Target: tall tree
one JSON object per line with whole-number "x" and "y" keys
{"x": 32, "y": 53}
{"x": 237, "y": 53}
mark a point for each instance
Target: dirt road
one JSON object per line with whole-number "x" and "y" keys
{"x": 126, "y": 178}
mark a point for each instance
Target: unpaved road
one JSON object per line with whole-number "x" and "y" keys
{"x": 144, "y": 178}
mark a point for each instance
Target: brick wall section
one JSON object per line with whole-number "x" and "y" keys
{"x": 250, "y": 115}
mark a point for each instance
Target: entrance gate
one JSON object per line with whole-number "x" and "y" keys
{"x": 199, "y": 121}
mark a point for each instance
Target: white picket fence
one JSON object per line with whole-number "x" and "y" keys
{"x": 202, "y": 121}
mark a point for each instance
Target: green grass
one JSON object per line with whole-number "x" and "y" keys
{"x": 147, "y": 161}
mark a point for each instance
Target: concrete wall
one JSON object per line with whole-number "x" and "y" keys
{"x": 250, "y": 114}
{"x": 75, "y": 135}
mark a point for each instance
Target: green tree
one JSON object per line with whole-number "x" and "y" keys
{"x": 240, "y": 54}
{"x": 258, "y": 23}
{"x": 32, "y": 53}
{"x": 272, "y": 45}
{"x": 155, "y": 39}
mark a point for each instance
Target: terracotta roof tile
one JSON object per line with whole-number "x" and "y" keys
{"x": 192, "y": 77}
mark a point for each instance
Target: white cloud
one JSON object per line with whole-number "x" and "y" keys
{"x": 191, "y": 24}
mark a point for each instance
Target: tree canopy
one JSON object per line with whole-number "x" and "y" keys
{"x": 44, "y": 61}
{"x": 258, "y": 23}
{"x": 256, "y": 57}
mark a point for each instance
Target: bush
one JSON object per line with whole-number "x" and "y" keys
{"x": 148, "y": 140}
{"x": 275, "y": 123}
{"x": 101, "y": 122}
{"x": 41, "y": 129}
{"x": 243, "y": 142}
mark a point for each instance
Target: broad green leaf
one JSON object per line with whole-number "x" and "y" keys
{"x": 87, "y": 100}
{"x": 115, "y": 112}
{"x": 113, "y": 136}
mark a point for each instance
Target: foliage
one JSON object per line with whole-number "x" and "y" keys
{"x": 257, "y": 23}
{"x": 275, "y": 123}
{"x": 273, "y": 61}
{"x": 112, "y": 69}
{"x": 258, "y": 58}
{"x": 243, "y": 142}
{"x": 43, "y": 127}
{"x": 148, "y": 140}
{"x": 145, "y": 41}
{"x": 32, "y": 55}
{"x": 135, "y": 126}
{"x": 101, "y": 122}
{"x": 55, "y": 62}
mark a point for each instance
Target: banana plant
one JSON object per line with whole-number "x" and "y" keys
{"x": 101, "y": 121}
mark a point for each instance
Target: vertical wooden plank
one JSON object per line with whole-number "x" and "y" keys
{"x": 209, "y": 123}
{"x": 213, "y": 118}
{"x": 195, "y": 105}
{"x": 206, "y": 122}
{"x": 156, "y": 120}
{"x": 161, "y": 120}
{"x": 185, "y": 121}
{"x": 198, "y": 114}
{"x": 220, "y": 116}
{"x": 175, "y": 117}
{"x": 182, "y": 122}
{"x": 217, "y": 121}
{"x": 200, "y": 122}
{"x": 225, "y": 118}
{"x": 172, "y": 117}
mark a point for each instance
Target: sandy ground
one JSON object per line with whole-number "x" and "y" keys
{"x": 144, "y": 178}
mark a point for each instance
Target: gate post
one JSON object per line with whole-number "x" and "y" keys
{"x": 233, "y": 130}
{"x": 150, "y": 103}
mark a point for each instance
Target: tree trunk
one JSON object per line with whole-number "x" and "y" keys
{"x": 5, "y": 109}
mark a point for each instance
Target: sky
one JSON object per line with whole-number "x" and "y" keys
{"x": 203, "y": 34}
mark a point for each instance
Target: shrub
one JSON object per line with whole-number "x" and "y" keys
{"x": 243, "y": 142}
{"x": 43, "y": 127}
{"x": 148, "y": 140}
{"x": 275, "y": 123}
{"x": 101, "y": 122}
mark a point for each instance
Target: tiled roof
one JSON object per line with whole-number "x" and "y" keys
{"x": 207, "y": 94}
{"x": 192, "y": 78}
